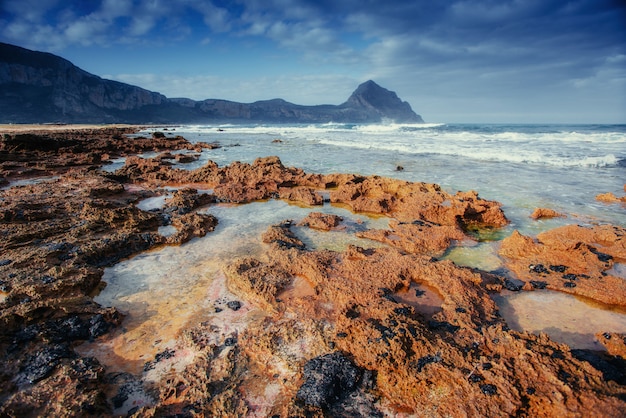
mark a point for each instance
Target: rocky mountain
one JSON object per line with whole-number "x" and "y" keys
{"x": 38, "y": 87}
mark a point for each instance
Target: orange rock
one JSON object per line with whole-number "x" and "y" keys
{"x": 417, "y": 237}
{"x": 408, "y": 201}
{"x": 572, "y": 259}
{"x": 322, "y": 221}
{"x": 614, "y": 343}
{"x": 541, "y": 213}
{"x": 302, "y": 194}
{"x": 610, "y": 198}
{"x": 417, "y": 362}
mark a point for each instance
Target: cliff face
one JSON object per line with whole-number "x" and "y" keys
{"x": 41, "y": 87}
{"x": 37, "y": 87}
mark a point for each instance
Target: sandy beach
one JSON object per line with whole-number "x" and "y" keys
{"x": 288, "y": 330}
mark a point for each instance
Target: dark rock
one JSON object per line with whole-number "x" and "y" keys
{"x": 514, "y": 285}
{"x": 98, "y": 326}
{"x": 612, "y": 367}
{"x": 569, "y": 284}
{"x": 163, "y": 355}
{"x": 475, "y": 378}
{"x": 328, "y": 379}
{"x": 443, "y": 325}
{"x": 5, "y": 262}
{"x": 230, "y": 341}
{"x": 489, "y": 389}
{"x": 42, "y": 363}
{"x": 537, "y": 284}
{"x": 428, "y": 359}
{"x": 538, "y": 268}
{"x": 570, "y": 277}
{"x": 235, "y": 305}
{"x": 558, "y": 268}
{"x": 352, "y": 313}
{"x": 386, "y": 333}
{"x": 47, "y": 279}
{"x": 605, "y": 258}
{"x": 405, "y": 311}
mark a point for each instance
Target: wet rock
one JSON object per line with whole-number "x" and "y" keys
{"x": 41, "y": 364}
{"x": 191, "y": 225}
{"x": 514, "y": 285}
{"x": 306, "y": 195}
{"x": 610, "y": 198}
{"x": 321, "y": 221}
{"x": 328, "y": 379}
{"x": 542, "y": 213}
{"x": 282, "y": 236}
{"x": 185, "y": 200}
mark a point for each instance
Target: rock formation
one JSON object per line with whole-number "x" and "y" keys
{"x": 37, "y": 87}
{"x": 331, "y": 333}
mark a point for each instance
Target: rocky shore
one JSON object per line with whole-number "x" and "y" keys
{"x": 335, "y": 333}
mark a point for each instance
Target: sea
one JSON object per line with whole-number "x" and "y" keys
{"x": 523, "y": 166}
{"x": 562, "y": 167}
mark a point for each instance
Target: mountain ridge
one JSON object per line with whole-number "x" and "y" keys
{"x": 40, "y": 87}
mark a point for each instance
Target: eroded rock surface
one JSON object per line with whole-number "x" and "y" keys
{"x": 573, "y": 259}
{"x": 328, "y": 333}
{"x": 418, "y": 362}
{"x": 542, "y": 213}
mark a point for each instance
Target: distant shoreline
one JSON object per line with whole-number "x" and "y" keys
{"x": 38, "y": 127}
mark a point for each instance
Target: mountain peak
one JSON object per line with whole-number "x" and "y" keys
{"x": 385, "y": 103}
{"x": 38, "y": 87}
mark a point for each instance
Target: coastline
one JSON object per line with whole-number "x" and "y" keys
{"x": 55, "y": 127}
{"x": 60, "y": 234}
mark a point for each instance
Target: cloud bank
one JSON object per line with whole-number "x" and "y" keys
{"x": 538, "y": 57}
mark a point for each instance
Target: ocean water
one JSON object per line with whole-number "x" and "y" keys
{"x": 562, "y": 167}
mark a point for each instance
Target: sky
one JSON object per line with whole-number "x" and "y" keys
{"x": 498, "y": 61}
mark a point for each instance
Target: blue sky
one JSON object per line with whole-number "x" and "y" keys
{"x": 453, "y": 60}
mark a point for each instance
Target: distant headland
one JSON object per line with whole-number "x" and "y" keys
{"x": 39, "y": 87}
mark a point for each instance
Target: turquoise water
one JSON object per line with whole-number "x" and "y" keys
{"x": 562, "y": 167}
